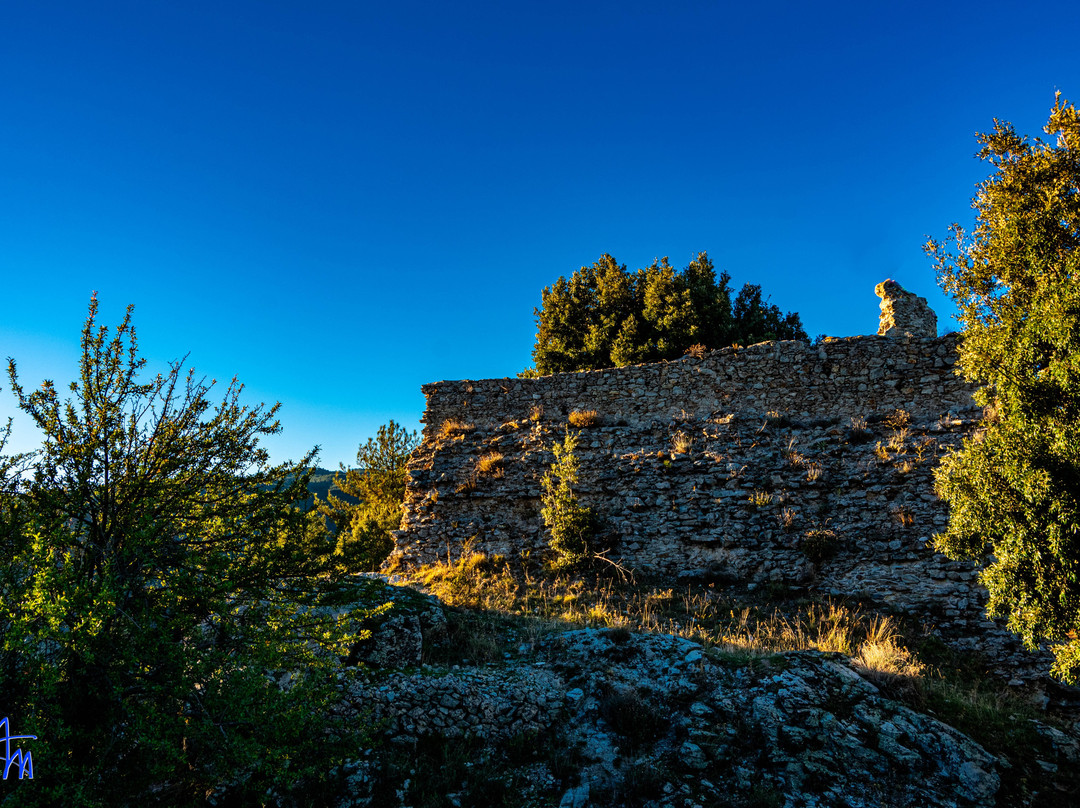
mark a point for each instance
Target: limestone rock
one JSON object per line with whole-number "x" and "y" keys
{"x": 595, "y": 715}
{"x": 904, "y": 313}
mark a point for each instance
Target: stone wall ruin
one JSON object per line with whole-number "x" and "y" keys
{"x": 779, "y": 464}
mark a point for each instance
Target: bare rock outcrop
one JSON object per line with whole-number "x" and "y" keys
{"x": 904, "y": 313}
{"x": 592, "y": 717}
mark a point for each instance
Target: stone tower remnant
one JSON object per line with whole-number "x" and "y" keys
{"x": 904, "y": 313}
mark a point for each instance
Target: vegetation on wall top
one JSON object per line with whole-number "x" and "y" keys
{"x": 604, "y": 316}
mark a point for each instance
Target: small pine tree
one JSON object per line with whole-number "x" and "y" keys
{"x": 363, "y": 528}
{"x": 570, "y": 524}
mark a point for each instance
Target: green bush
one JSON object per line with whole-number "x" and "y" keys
{"x": 570, "y": 525}
{"x": 1014, "y": 489}
{"x": 152, "y": 578}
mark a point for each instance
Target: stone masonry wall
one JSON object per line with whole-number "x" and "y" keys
{"x": 782, "y": 463}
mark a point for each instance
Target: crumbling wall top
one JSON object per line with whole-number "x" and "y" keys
{"x": 904, "y": 313}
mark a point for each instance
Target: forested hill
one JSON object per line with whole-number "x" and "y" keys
{"x": 321, "y": 483}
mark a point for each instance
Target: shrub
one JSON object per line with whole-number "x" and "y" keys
{"x": 369, "y": 508}
{"x": 153, "y": 569}
{"x": 570, "y": 525}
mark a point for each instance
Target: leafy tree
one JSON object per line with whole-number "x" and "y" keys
{"x": 1014, "y": 489}
{"x": 149, "y": 584}
{"x": 570, "y": 524}
{"x": 604, "y": 316}
{"x": 364, "y": 527}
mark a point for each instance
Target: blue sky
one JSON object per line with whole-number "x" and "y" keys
{"x": 338, "y": 202}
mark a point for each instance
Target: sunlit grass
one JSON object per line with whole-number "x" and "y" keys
{"x": 479, "y": 581}
{"x": 453, "y": 426}
{"x": 489, "y": 464}
{"x": 580, "y": 419}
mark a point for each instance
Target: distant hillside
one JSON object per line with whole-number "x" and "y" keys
{"x": 321, "y": 484}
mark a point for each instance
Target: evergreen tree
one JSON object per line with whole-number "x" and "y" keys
{"x": 570, "y": 525}
{"x": 1014, "y": 489}
{"x": 363, "y": 528}
{"x": 604, "y": 316}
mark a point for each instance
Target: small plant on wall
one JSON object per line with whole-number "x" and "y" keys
{"x": 570, "y": 525}
{"x": 490, "y": 464}
{"x": 584, "y": 418}
{"x": 681, "y": 442}
{"x": 820, "y": 544}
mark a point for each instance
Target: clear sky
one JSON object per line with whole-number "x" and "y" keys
{"x": 340, "y": 201}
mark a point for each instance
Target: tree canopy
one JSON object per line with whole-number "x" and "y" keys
{"x": 604, "y": 316}
{"x": 150, "y": 579}
{"x": 1014, "y": 489}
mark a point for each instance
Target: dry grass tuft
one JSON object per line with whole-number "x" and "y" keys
{"x": 786, "y": 518}
{"x": 898, "y": 420}
{"x": 820, "y": 544}
{"x": 903, "y": 515}
{"x": 584, "y": 418}
{"x": 898, "y": 439}
{"x": 681, "y": 442}
{"x": 761, "y": 499}
{"x": 874, "y": 643}
{"x": 791, "y": 455}
{"x": 881, "y": 653}
{"x": 453, "y": 426}
{"x": 860, "y": 431}
{"x": 489, "y": 464}
{"x": 775, "y": 418}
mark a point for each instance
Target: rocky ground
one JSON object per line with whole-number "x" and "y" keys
{"x": 478, "y": 710}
